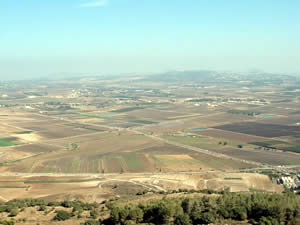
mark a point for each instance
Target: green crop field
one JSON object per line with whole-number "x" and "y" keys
{"x": 143, "y": 121}
{"x": 129, "y": 109}
{"x": 5, "y": 142}
{"x": 132, "y": 160}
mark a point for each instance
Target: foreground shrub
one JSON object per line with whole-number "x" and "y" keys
{"x": 92, "y": 222}
{"x": 5, "y": 222}
{"x": 62, "y": 215}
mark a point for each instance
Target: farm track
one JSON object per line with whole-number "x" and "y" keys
{"x": 148, "y": 186}
{"x": 104, "y": 175}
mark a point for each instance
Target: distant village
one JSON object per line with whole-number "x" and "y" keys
{"x": 290, "y": 182}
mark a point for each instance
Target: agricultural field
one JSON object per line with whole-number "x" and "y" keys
{"x": 108, "y": 129}
{"x": 170, "y": 158}
{"x": 157, "y": 114}
{"x": 241, "y": 148}
{"x": 204, "y": 141}
{"x": 274, "y": 144}
{"x": 270, "y": 157}
{"x": 113, "y": 153}
{"x": 5, "y": 142}
{"x": 228, "y": 135}
{"x": 262, "y": 129}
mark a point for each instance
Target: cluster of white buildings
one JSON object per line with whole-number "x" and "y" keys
{"x": 290, "y": 182}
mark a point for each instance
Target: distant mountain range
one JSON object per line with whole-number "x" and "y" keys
{"x": 215, "y": 76}
{"x": 181, "y": 76}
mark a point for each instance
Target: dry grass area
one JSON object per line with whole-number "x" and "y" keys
{"x": 53, "y": 188}
{"x": 37, "y": 148}
{"x": 7, "y": 116}
{"x": 31, "y": 137}
{"x": 217, "y": 181}
{"x": 7, "y": 129}
{"x": 32, "y": 216}
{"x": 97, "y": 136}
{"x": 48, "y": 129}
{"x": 10, "y": 155}
{"x": 101, "y": 187}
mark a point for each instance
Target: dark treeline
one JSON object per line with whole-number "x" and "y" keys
{"x": 258, "y": 208}
{"x": 20, "y": 204}
{"x": 226, "y": 208}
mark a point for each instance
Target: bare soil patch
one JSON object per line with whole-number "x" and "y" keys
{"x": 264, "y": 156}
{"x": 32, "y": 137}
{"x": 262, "y": 129}
{"x": 230, "y": 135}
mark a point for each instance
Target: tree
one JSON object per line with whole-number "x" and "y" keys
{"x": 94, "y": 214}
{"x": 162, "y": 212}
{"x": 267, "y": 221}
{"x": 62, "y": 215}
{"x": 78, "y": 209}
{"x": 205, "y": 218}
{"x": 42, "y": 208}
{"x": 118, "y": 214}
{"x": 187, "y": 205}
{"x": 136, "y": 214}
{"x": 13, "y": 212}
{"x": 5, "y": 222}
{"x": 240, "y": 213}
{"x": 182, "y": 220}
{"x": 67, "y": 204}
{"x": 92, "y": 222}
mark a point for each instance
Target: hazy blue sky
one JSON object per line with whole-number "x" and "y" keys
{"x": 45, "y": 37}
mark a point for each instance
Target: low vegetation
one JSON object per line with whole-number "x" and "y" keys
{"x": 73, "y": 147}
{"x": 243, "y": 112}
{"x": 62, "y": 215}
{"x": 24, "y": 132}
{"x": 280, "y": 145}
